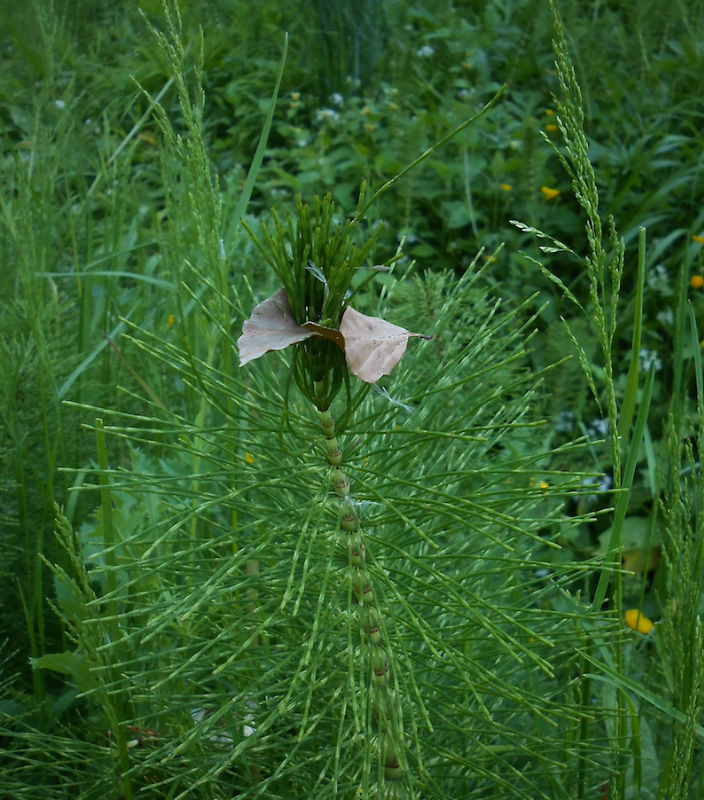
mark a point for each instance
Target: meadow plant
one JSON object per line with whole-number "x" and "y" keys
{"x": 225, "y": 635}
{"x": 333, "y": 572}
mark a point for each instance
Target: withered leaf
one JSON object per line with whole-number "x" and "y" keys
{"x": 373, "y": 347}
{"x": 326, "y": 333}
{"x": 271, "y": 326}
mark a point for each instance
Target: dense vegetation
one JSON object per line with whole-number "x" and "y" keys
{"x": 180, "y": 616}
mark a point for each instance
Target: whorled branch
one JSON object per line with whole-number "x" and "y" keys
{"x": 386, "y": 703}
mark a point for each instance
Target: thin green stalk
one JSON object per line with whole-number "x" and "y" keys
{"x": 631, "y": 394}
{"x": 612, "y": 557}
{"x": 108, "y": 530}
{"x": 680, "y": 334}
{"x": 363, "y": 210}
{"x": 37, "y": 675}
{"x": 386, "y": 703}
{"x": 111, "y": 604}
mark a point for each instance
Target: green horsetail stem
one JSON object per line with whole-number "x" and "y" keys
{"x": 386, "y": 705}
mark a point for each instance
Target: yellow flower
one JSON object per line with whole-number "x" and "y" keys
{"x": 698, "y": 239}
{"x": 551, "y": 128}
{"x": 549, "y": 112}
{"x": 506, "y": 187}
{"x": 248, "y": 458}
{"x": 550, "y": 194}
{"x": 393, "y": 106}
{"x": 295, "y": 96}
{"x": 637, "y": 622}
{"x": 170, "y": 319}
{"x": 544, "y": 485}
{"x": 697, "y": 282}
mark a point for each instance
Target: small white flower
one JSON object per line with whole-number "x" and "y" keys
{"x": 598, "y": 428}
{"x": 337, "y": 99}
{"x": 605, "y": 483}
{"x": 600, "y": 485}
{"x": 355, "y": 83}
{"x": 565, "y": 421}
{"x": 302, "y": 142}
{"x": 648, "y": 357}
{"x": 323, "y": 114}
{"x": 463, "y": 94}
{"x": 666, "y": 316}
{"x": 60, "y": 104}
{"x": 425, "y": 52}
{"x": 658, "y": 278}
{"x": 222, "y": 738}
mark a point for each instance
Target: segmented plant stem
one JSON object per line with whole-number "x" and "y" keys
{"x": 386, "y": 701}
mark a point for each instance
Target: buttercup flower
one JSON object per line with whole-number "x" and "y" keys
{"x": 506, "y": 187}
{"x": 550, "y": 194}
{"x": 696, "y": 282}
{"x": 551, "y": 128}
{"x": 698, "y": 239}
{"x": 637, "y": 622}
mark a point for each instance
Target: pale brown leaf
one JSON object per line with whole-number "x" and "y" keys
{"x": 326, "y": 333}
{"x": 271, "y": 326}
{"x": 373, "y": 347}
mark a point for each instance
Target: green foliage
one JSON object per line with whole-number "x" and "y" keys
{"x": 193, "y": 628}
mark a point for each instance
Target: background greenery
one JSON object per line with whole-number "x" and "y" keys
{"x": 112, "y": 277}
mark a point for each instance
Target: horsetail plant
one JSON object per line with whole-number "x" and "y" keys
{"x": 468, "y": 635}
{"x": 316, "y": 266}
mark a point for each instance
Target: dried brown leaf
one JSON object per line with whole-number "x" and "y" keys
{"x": 326, "y": 333}
{"x": 373, "y": 346}
{"x": 271, "y": 326}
